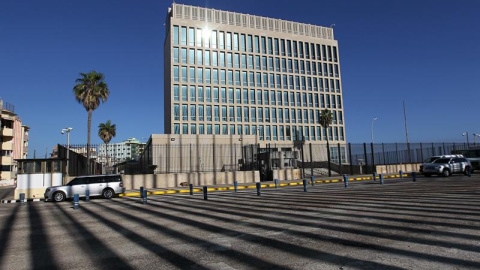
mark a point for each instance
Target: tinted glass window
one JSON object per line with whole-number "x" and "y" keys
{"x": 78, "y": 181}
{"x": 442, "y": 160}
{"x": 115, "y": 178}
{"x": 96, "y": 180}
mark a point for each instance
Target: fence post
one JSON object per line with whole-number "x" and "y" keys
{"x": 339, "y": 153}
{"x": 373, "y": 158}
{"x": 329, "y": 160}
{"x": 303, "y": 160}
{"x": 383, "y": 150}
{"x": 259, "y": 186}
{"x": 345, "y": 180}
{"x": 421, "y": 152}
{"x": 350, "y": 154}
{"x": 366, "y": 157}
{"x": 311, "y": 162}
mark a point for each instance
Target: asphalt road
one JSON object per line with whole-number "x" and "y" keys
{"x": 429, "y": 224}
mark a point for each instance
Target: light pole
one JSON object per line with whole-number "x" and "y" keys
{"x": 468, "y": 142}
{"x": 475, "y": 135}
{"x": 67, "y": 130}
{"x": 373, "y": 121}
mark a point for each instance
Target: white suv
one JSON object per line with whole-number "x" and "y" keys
{"x": 104, "y": 185}
{"x": 445, "y": 166}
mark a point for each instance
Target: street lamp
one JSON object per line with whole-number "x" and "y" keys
{"x": 373, "y": 120}
{"x": 468, "y": 142}
{"x": 67, "y": 130}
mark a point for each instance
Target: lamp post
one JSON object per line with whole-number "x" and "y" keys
{"x": 67, "y": 130}
{"x": 373, "y": 121}
{"x": 468, "y": 142}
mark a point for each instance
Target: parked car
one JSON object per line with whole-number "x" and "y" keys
{"x": 98, "y": 185}
{"x": 447, "y": 166}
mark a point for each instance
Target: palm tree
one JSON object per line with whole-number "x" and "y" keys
{"x": 89, "y": 90}
{"x": 106, "y": 131}
{"x": 325, "y": 118}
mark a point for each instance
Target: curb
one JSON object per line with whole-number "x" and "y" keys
{"x": 333, "y": 180}
{"x": 18, "y": 201}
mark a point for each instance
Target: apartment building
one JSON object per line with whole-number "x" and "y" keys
{"x": 123, "y": 151}
{"x": 13, "y": 139}
{"x": 228, "y": 73}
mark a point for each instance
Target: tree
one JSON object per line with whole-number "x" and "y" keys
{"x": 106, "y": 131}
{"x": 90, "y": 89}
{"x": 326, "y": 118}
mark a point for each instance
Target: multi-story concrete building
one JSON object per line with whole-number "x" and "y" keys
{"x": 236, "y": 74}
{"x": 123, "y": 151}
{"x": 13, "y": 140}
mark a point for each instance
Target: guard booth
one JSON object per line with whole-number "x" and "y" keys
{"x": 270, "y": 159}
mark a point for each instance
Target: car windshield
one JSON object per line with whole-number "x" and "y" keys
{"x": 442, "y": 160}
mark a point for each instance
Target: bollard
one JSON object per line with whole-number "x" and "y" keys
{"x": 401, "y": 174}
{"x": 312, "y": 178}
{"x": 381, "y": 179}
{"x": 144, "y": 196}
{"x": 374, "y": 176}
{"x": 276, "y": 182}
{"x": 259, "y": 185}
{"x": 191, "y": 189}
{"x": 141, "y": 192}
{"x": 75, "y": 202}
{"x": 87, "y": 195}
{"x": 235, "y": 185}
{"x": 414, "y": 177}
{"x": 205, "y": 193}
{"x": 469, "y": 172}
{"x": 22, "y": 198}
{"x": 304, "y": 185}
{"x": 345, "y": 180}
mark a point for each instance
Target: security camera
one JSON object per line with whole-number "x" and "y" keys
{"x": 63, "y": 131}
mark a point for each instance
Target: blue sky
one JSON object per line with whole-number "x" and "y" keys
{"x": 425, "y": 52}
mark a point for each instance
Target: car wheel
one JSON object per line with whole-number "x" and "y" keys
{"x": 427, "y": 174}
{"x": 58, "y": 196}
{"x": 446, "y": 173}
{"x": 108, "y": 193}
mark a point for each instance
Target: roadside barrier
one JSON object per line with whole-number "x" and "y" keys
{"x": 22, "y": 198}
{"x": 76, "y": 204}
{"x": 144, "y": 196}
{"x": 87, "y": 195}
{"x": 305, "y": 185}
{"x": 259, "y": 185}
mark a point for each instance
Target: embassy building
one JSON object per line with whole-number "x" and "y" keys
{"x": 228, "y": 73}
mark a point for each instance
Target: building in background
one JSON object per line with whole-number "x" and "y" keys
{"x": 13, "y": 139}
{"x": 228, "y": 73}
{"x": 120, "y": 152}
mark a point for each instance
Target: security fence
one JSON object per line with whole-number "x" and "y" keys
{"x": 314, "y": 159}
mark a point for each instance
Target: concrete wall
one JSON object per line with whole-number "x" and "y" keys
{"x": 398, "y": 167}
{"x": 202, "y": 179}
{"x": 34, "y": 185}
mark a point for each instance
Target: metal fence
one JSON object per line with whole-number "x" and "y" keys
{"x": 334, "y": 158}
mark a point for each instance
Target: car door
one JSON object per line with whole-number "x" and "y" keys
{"x": 96, "y": 185}
{"x": 456, "y": 165}
{"x": 79, "y": 186}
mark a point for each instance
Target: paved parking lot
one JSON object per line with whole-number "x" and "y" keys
{"x": 430, "y": 224}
